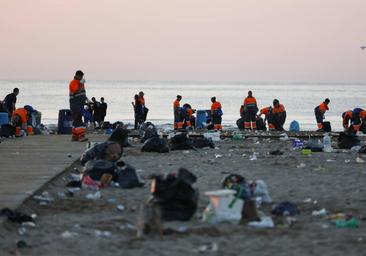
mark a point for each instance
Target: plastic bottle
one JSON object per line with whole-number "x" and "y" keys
{"x": 327, "y": 143}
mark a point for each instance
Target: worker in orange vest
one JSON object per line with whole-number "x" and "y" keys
{"x": 275, "y": 115}
{"x": 347, "y": 120}
{"x": 359, "y": 119}
{"x": 145, "y": 109}
{"x": 216, "y": 114}
{"x": 319, "y": 113}
{"x": 19, "y": 119}
{"x": 250, "y": 112}
{"x": 178, "y": 123}
{"x": 77, "y": 98}
{"x": 187, "y": 115}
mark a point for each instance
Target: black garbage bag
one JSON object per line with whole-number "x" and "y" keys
{"x": 240, "y": 123}
{"x": 239, "y": 184}
{"x": 107, "y": 125}
{"x": 102, "y": 151}
{"x": 95, "y": 169}
{"x": 117, "y": 124}
{"x": 202, "y": 142}
{"x": 7, "y": 130}
{"x": 175, "y": 195}
{"x": 127, "y": 177}
{"x": 155, "y": 144}
{"x": 15, "y": 216}
{"x": 120, "y": 135}
{"x": 285, "y": 209}
{"x": 261, "y": 126}
{"x": 362, "y": 150}
{"x": 327, "y": 127}
{"x": 347, "y": 140}
{"x": 147, "y": 130}
{"x": 181, "y": 141}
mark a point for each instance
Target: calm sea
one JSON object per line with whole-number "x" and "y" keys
{"x": 299, "y": 99}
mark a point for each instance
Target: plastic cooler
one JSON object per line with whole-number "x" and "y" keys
{"x": 4, "y": 118}
{"x": 64, "y": 122}
{"x": 201, "y": 118}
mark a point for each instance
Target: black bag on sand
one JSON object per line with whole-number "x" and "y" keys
{"x": 117, "y": 124}
{"x": 155, "y": 144}
{"x": 181, "y": 142}
{"x": 7, "y": 130}
{"x": 327, "y": 127}
{"x": 127, "y": 176}
{"x": 203, "y": 143}
{"x": 261, "y": 126}
{"x": 362, "y": 150}
{"x": 347, "y": 141}
{"x": 97, "y": 168}
{"x": 175, "y": 195}
{"x": 240, "y": 123}
{"x": 120, "y": 135}
{"x": 107, "y": 125}
{"x": 147, "y": 131}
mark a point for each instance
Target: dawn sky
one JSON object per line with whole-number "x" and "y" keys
{"x": 234, "y": 40}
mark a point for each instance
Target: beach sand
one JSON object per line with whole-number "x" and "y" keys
{"x": 335, "y": 185}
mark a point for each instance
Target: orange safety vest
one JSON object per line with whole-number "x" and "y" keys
{"x": 279, "y": 109}
{"x": 265, "y": 111}
{"x": 348, "y": 115}
{"x": 22, "y": 113}
{"x": 323, "y": 107}
{"x": 176, "y": 104}
{"x": 216, "y": 105}
{"x": 250, "y": 102}
{"x": 363, "y": 115}
{"x": 77, "y": 92}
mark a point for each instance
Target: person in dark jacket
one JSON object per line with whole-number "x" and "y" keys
{"x": 139, "y": 112}
{"x": 103, "y": 109}
{"x": 10, "y": 101}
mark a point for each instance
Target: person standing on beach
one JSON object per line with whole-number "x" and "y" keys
{"x": 77, "y": 98}
{"x": 319, "y": 112}
{"x": 96, "y": 112}
{"x": 178, "y": 124}
{"x": 250, "y": 112}
{"x": 103, "y": 109}
{"x": 145, "y": 109}
{"x": 138, "y": 109}
{"x": 10, "y": 101}
{"x": 216, "y": 113}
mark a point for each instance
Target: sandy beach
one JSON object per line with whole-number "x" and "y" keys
{"x": 326, "y": 178}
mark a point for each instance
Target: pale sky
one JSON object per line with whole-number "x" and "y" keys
{"x": 211, "y": 40}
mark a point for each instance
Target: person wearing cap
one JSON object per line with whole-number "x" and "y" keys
{"x": 319, "y": 112}
{"x": 77, "y": 98}
{"x": 358, "y": 119}
{"x": 178, "y": 123}
{"x": 216, "y": 113}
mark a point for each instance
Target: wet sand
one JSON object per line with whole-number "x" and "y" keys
{"x": 335, "y": 185}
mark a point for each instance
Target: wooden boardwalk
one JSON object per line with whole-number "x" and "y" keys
{"x": 28, "y": 163}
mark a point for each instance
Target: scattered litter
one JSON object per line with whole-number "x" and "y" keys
{"x": 218, "y": 156}
{"x": 308, "y": 200}
{"x": 21, "y": 244}
{"x": 69, "y": 155}
{"x": 127, "y": 226}
{"x": 61, "y": 194}
{"x": 301, "y": 165}
{"x": 223, "y": 206}
{"x": 29, "y": 224}
{"x": 182, "y": 229}
{"x": 101, "y": 233}
{"x": 266, "y": 222}
{"x": 186, "y": 152}
{"x": 111, "y": 200}
{"x": 120, "y": 207}
{"x": 208, "y": 248}
{"x": 285, "y": 209}
{"x": 355, "y": 149}
{"x": 330, "y": 160}
{"x": 276, "y": 152}
{"x": 95, "y": 196}
{"x": 253, "y": 157}
{"x": 320, "y": 213}
{"x": 22, "y": 231}
{"x": 319, "y": 168}
{"x": 306, "y": 152}
{"x": 45, "y": 197}
{"x": 359, "y": 160}
{"x": 68, "y": 234}
{"x": 283, "y": 137}
{"x": 325, "y": 226}
{"x": 352, "y": 223}
{"x": 244, "y": 155}
{"x": 347, "y": 161}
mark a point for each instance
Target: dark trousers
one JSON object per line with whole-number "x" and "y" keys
{"x": 319, "y": 117}
{"x": 278, "y": 120}
{"x": 76, "y": 115}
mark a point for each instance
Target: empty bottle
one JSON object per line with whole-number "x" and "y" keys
{"x": 327, "y": 143}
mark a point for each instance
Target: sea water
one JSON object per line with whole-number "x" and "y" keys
{"x": 299, "y": 99}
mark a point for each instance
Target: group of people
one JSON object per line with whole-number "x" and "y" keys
{"x": 183, "y": 116}
{"x": 23, "y": 119}
{"x": 95, "y": 112}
